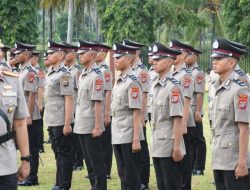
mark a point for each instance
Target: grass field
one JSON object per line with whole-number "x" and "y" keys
{"x": 79, "y": 182}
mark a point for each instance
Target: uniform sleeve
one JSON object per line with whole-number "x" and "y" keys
{"x": 21, "y": 111}
{"x": 187, "y": 84}
{"x": 241, "y": 106}
{"x": 66, "y": 85}
{"x": 108, "y": 80}
{"x": 199, "y": 83}
{"x": 176, "y": 102}
{"x": 41, "y": 78}
{"x": 144, "y": 80}
{"x": 31, "y": 82}
{"x": 135, "y": 96}
{"x": 97, "y": 88}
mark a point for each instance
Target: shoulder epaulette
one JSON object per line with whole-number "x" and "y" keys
{"x": 97, "y": 70}
{"x": 78, "y": 66}
{"x": 240, "y": 72}
{"x": 30, "y": 69}
{"x": 188, "y": 70}
{"x": 173, "y": 80}
{"x": 64, "y": 69}
{"x": 142, "y": 66}
{"x": 105, "y": 66}
{"x": 133, "y": 77}
{"x": 239, "y": 82}
{"x": 9, "y": 73}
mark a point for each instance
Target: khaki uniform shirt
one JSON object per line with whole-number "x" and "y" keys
{"x": 5, "y": 65}
{"x": 30, "y": 81}
{"x": 13, "y": 103}
{"x": 126, "y": 96}
{"x": 152, "y": 76}
{"x": 58, "y": 83}
{"x": 107, "y": 78}
{"x": 227, "y": 112}
{"x": 184, "y": 76}
{"x": 75, "y": 71}
{"x": 90, "y": 90}
{"x": 168, "y": 103}
{"x": 141, "y": 72}
{"x": 199, "y": 85}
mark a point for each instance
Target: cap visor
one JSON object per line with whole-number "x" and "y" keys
{"x": 116, "y": 55}
{"x": 80, "y": 51}
{"x": 17, "y": 52}
{"x": 219, "y": 55}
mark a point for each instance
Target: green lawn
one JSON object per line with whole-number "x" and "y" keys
{"x": 79, "y": 182}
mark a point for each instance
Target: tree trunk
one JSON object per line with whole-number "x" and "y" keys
{"x": 70, "y": 21}
{"x": 43, "y": 29}
{"x": 51, "y": 23}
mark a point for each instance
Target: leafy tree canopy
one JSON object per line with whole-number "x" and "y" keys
{"x": 18, "y": 19}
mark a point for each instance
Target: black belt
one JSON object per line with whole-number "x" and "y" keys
{"x": 10, "y": 134}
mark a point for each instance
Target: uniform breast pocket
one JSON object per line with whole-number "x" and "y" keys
{"x": 85, "y": 94}
{"x": 161, "y": 108}
{"x": 9, "y": 104}
{"x": 224, "y": 111}
{"x": 164, "y": 133}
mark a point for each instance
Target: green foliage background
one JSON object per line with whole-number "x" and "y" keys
{"x": 18, "y": 19}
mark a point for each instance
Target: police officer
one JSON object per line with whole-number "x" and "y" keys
{"x": 230, "y": 160}
{"x": 58, "y": 112}
{"x": 13, "y": 114}
{"x": 108, "y": 79}
{"x": 75, "y": 69}
{"x": 41, "y": 80}
{"x": 3, "y": 51}
{"x": 141, "y": 72}
{"x": 167, "y": 146}
{"x": 184, "y": 77}
{"x": 89, "y": 118}
{"x": 29, "y": 80}
{"x": 197, "y": 139}
{"x": 126, "y": 108}
{"x": 153, "y": 76}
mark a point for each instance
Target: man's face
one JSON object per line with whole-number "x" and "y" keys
{"x": 180, "y": 58}
{"x": 54, "y": 57}
{"x": 70, "y": 57}
{"x": 100, "y": 56}
{"x": 221, "y": 65}
{"x": 121, "y": 63}
{"x": 161, "y": 65}
{"x": 85, "y": 57}
{"x": 191, "y": 59}
{"x": 150, "y": 60}
{"x": 22, "y": 57}
{"x": 2, "y": 54}
{"x": 34, "y": 60}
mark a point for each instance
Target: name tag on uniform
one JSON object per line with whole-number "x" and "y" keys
{"x": 9, "y": 93}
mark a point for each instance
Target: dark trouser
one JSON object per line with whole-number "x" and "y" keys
{"x": 62, "y": 147}
{"x": 40, "y": 132}
{"x": 8, "y": 182}
{"x": 127, "y": 165}
{"x": 33, "y": 132}
{"x": 108, "y": 149}
{"x": 144, "y": 160}
{"x": 186, "y": 167}
{"x": 77, "y": 150}
{"x": 94, "y": 161}
{"x": 167, "y": 173}
{"x": 197, "y": 146}
{"x": 225, "y": 180}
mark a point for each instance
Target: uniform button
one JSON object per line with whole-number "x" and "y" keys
{"x": 10, "y": 110}
{"x": 165, "y": 136}
{"x": 229, "y": 144}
